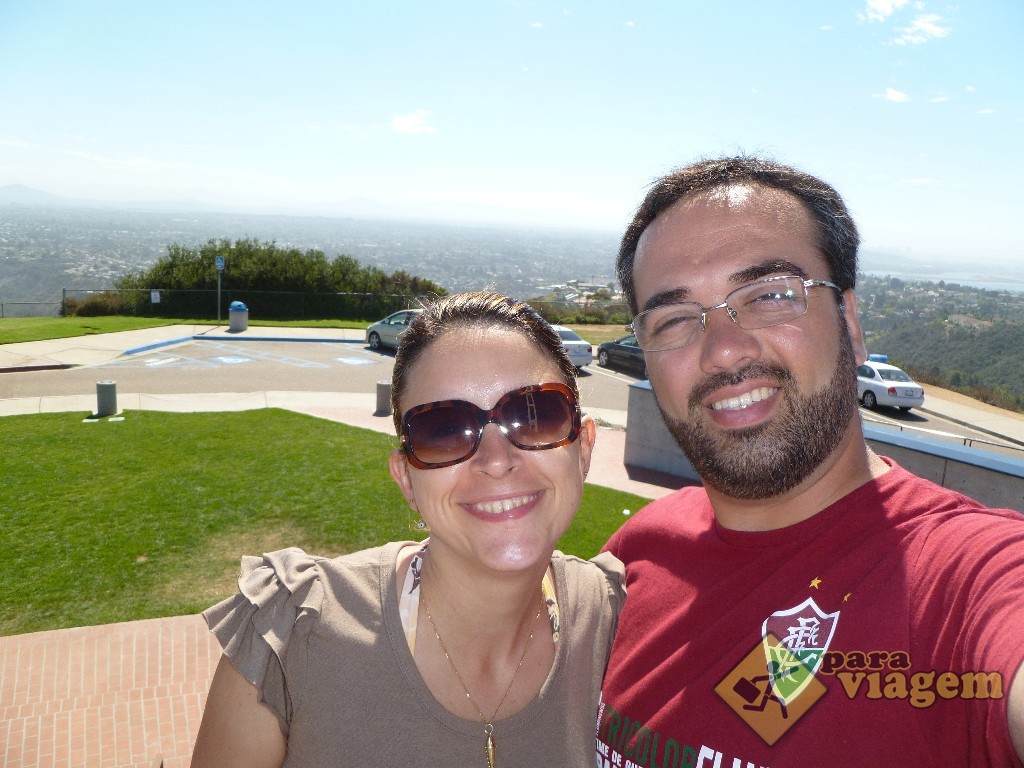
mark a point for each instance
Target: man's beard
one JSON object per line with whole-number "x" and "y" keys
{"x": 772, "y": 458}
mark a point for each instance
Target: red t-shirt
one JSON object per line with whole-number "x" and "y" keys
{"x": 884, "y": 631}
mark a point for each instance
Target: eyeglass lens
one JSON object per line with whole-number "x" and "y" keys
{"x": 757, "y": 305}
{"x": 450, "y": 432}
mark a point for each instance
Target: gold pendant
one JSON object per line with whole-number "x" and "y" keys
{"x": 489, "y": 745}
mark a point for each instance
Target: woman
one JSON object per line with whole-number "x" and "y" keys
{"x": 481, "y": 646}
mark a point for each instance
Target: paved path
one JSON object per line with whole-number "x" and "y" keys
{"x": 132, "y": 694}
{"x": 111, "y": 696}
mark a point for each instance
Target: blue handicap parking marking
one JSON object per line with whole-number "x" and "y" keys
{"x": 159, "y": 361}
{"x": 206, "y": 354}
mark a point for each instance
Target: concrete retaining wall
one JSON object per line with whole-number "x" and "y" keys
{"x": 992, "y": 479}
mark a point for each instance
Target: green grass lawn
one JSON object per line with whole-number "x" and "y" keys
{"x": 15, "y": 329}
{"x": 115, "y": 521}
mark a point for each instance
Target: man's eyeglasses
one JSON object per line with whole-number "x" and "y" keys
{"x": 447, "y": 432}
{"x": 761, "y": 304}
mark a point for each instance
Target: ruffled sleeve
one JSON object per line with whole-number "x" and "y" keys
{"x": 615, "y": 581}
{"x": 257, "y": 627}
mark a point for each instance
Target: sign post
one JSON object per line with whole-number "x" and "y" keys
{"x": 219, "y": 264}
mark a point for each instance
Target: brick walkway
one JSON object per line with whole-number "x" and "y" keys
{"x": 113, "y": 696}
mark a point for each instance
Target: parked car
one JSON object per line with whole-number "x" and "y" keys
{"x": 579, "y": 350}
{"x": 385, "y": 333}
{"x": 879, "y": 383}
{"x": 622, "y": 353}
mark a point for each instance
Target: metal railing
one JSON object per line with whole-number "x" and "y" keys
{"x": 965, "y": 440}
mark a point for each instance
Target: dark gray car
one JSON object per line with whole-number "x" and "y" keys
{"x": 622, "y": 353}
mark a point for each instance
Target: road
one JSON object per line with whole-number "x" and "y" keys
{"x": 229, "y": 366}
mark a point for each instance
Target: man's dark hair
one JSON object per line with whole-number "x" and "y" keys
{"x": 837, "y": 234}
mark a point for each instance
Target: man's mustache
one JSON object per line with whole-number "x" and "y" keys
{"x": 755, "y": 370}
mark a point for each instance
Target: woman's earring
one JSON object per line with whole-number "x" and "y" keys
{"x": 420, "y": 526}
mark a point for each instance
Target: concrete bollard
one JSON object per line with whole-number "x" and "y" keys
{"x": 106, "y": 398}
{"x": 383, "y": 399}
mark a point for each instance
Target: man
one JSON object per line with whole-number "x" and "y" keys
{"x": 813, "y": 604}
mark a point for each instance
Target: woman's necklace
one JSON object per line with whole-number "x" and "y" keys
{"x": 488, "y": 722}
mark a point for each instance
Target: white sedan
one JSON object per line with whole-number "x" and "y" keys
{"x": 579, "y": 350}
{"x": 883, "y": 384}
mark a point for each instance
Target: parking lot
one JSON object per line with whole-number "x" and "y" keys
{"x": 222, "y": 365}
{"x": 245, "y": 366}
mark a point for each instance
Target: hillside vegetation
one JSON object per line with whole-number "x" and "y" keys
{"x": 970, "y": 340}
{"x": 986, "y": 363}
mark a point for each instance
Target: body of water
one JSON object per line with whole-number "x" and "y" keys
{"x": 988, "y": 282}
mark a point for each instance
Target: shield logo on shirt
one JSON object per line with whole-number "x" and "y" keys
{"x": 794, "y": 642}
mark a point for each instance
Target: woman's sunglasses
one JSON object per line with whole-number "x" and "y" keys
{"x": 447, "y": 432}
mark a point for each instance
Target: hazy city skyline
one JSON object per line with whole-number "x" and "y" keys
{"x": 521, "y": 112}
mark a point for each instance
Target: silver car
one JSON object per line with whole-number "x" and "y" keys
{"x": 579, "y": 350}
{"x": 385, "y": 333}
{"x": 879, "y": 383}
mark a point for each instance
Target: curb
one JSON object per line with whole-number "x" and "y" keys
{"x": 277, "y": 338}
{"x": 157, "y": 345}
{"x": 975, "y": 427}
{"x": 42, "y": 367}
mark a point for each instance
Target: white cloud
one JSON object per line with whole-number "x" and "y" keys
{"x": 631, "y": 24}
{"x": 940, "y": 99}
{"x": 925, "y": 27}
{"x": 891, "y": 94}
{"x": 17, "y": 143}
{"x": 970, "y": 89}
{"x": 314, "y": 128}
{"x": 538, "y": 25}
{"x": 826, "y": 28}
{"x": 880, "y": 10}
{"x": 988, "y": 111}
{"x": 413, "y": 124}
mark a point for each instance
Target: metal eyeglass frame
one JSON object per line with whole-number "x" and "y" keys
{"x": 731, "y": 311}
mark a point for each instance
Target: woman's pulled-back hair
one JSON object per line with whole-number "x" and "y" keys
{"x": 480, "y": 309}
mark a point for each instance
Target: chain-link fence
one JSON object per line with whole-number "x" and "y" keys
{"x": 29, "y": 309}
{"x": 203, "y": 304}
{"x": 584, "y": 312}
{"x": 279, "y": 305}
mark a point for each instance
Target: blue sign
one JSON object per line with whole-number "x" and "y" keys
{"x": 219, "y": 263}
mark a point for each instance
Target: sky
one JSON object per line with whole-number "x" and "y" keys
{"x": 534, "y": 113}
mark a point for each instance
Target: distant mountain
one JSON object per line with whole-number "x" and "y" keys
{"x": 21, "y": 195}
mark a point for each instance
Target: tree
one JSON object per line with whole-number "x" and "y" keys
{"x": 304, "y": 283}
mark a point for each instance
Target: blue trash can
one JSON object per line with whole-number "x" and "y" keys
{"x": 238, "y": 314}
